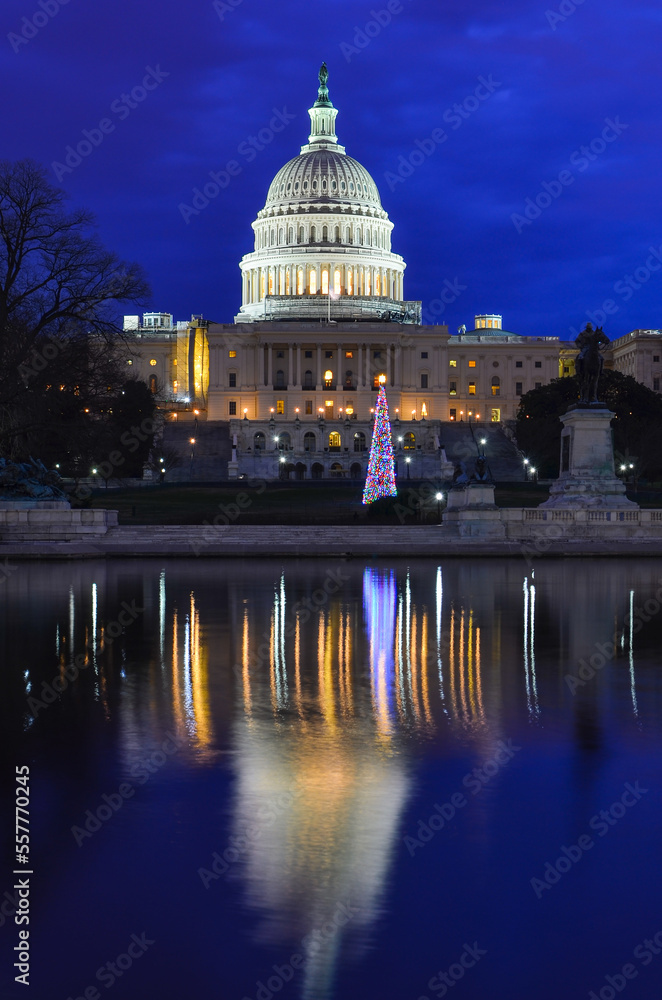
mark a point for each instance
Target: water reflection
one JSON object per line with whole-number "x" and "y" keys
{"x": 323, "y": 690}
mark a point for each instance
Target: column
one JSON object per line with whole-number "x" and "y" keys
{"x": 298, "y": 377}
{"x": 265, "y": 368}
{"x": 367, "y": 365}
{"x": 339, "y": 375}
{"x": 270, "y": 365}
{"x": 398, "y": 365}
{"x": 359, "y": 374}
{"x": 290, "y": 374}
{"x": 388, "y": 364}
{"x": 319, "y": 367}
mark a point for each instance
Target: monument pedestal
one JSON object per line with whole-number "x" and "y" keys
{"x": 472, "y": 513}
{"x": 587, "y": 477}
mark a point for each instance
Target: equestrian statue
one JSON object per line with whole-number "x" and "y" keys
{"x": 590, "y": 361}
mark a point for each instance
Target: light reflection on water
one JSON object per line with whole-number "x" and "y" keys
{"x": 327, "y": 685}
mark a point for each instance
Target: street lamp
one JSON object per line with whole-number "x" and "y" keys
{"x": 439, "y": 497}
{"x": 408, "y": 463}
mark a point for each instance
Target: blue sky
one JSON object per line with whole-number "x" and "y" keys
{"x": 556, "y": 77}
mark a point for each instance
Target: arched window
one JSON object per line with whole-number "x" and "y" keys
{"x": 410, "y": 441}
{"x": 325, "y": 282}
{"x": 153, "y": 384}
{"x": 334, "y": 441}
{"x": 378, "y": 284}
{"x": 336, "y": 470}
{"x": 337, "y": 234}
{"x": 258, "y": 441}
{"x": 348, "y": 237}
{"x": 280, "y": 379}
{"x": 271, "y": 284}
{"x": 302, "y": 234}
{"x": 328, "y": 379}
{"x": 284, "y": 441}
{"x": 355, "y": 470}
{"x": 350, "y": 282}
{"x": 349, "y": 378}
{"x": 290, "y": 235}
{"x": 308, "y": 382}
{"x": 312, "y": 286}
{"x": 300, "y": 288}
{"x": 325, "y": 234}
{"x": 336, "y": 282}
{"x": 313, "y": 234}
{"x": 317, "y": 471}
{"x": 359, "y": 441}
{"x": 358, "y": 234}
{"x": 309, "y": 441}
{"x": 280, "y": 236}
{"x": 496, "y": 385}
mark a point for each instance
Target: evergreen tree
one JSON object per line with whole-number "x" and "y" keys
{"x": 380, "y": 481}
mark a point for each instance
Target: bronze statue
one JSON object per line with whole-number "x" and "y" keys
{"x": 590, "y": 361}
{"x": 324, "y": 75}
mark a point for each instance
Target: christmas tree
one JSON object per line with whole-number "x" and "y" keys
{"x": 380, "y": 481}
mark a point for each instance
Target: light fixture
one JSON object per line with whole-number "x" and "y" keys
{"x": 192, "y": 441}
{"x": 408, "y": 460}
{"x": 439, "y": 496}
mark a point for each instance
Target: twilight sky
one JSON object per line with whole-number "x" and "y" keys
{"x": 559, "y": 77}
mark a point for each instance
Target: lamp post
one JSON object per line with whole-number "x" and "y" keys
{"x": 439, "y": 497}
{"x": 526, "y": 469}
{"x": 408, "y": 463}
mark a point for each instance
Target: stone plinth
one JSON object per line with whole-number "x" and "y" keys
{"x": 587, "y": 477}
{"x": 472, "y": 513}
{"x": 51, "y": 521}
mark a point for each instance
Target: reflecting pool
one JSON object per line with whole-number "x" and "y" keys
{"x": 331, "y": 779}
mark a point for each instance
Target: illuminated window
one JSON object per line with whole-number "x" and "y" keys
{"x": 350, "y": 282}
{"x": 452, "y": 364}
{"x": 496, "y": 416}
{"x": 424, "y": 409}
{"x": 312, "y": 286}
{"x": 378, "y": 284}
{"x": 328, "y": 375}
{"x": 472, "y": 364}
{"x": 300, "y": 282}
{"x": 175, "y": 385}
{"x": 496, "y": 386}
{"x": 262, "y": 288}
{"x": 452, "y": 389}
{"x": 325, "y": 282}
{"x": 328, "y": 402}
{"x": 232, "y": 354}
{"x": 174, "y": 361}
{"x": 472, "y": 388}
{"x": 287, "y": 282}
{"x": 349, "y": 354}
{"x": 280, "y": 406}
{"x": 334, "y": 439}
{"x": 336, "y": 282}
{"x": 452, "y": 414}
{"x": 367, "y": 283}
{"x": 129, "y": 362}
{"x": 309, "y": 406}
{"x": 410, "y": 441}
{"x": 349, "y": 410}
{"x": 152, "y": 362}
{"x": 271, "y": 284}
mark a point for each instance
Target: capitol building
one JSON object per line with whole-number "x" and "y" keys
{"x": 291, "y": 384}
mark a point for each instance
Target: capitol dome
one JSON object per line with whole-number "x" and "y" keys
{"x": 323, "y": 240}
{"x": 322, "y": 174}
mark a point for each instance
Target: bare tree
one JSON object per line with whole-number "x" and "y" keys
{"x": 60, "y": 291}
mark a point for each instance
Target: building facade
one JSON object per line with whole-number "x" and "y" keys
{"x": 323, "y": 315}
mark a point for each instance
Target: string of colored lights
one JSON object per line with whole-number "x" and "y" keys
{"x": 380, "y": 481}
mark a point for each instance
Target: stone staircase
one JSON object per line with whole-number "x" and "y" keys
{"x": 461, "y": 441}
